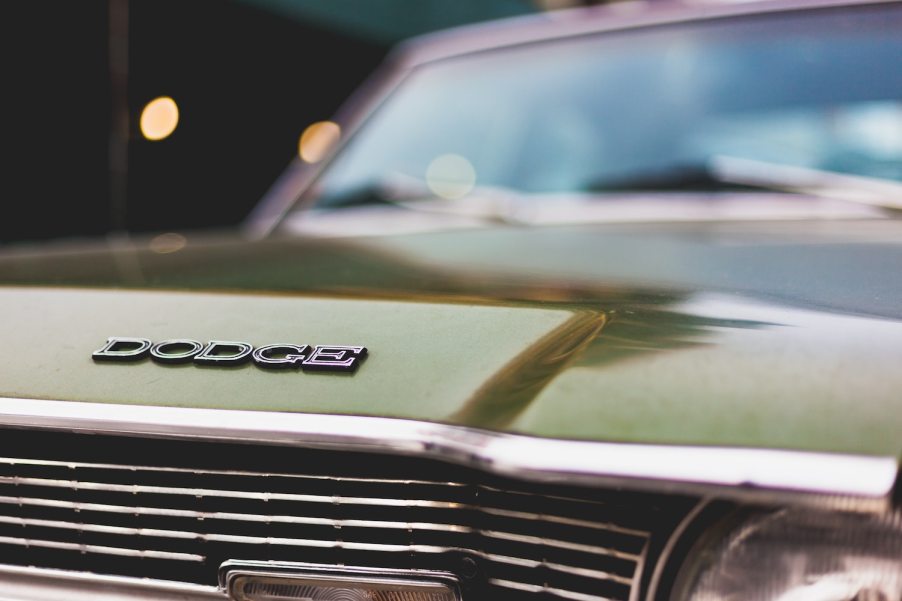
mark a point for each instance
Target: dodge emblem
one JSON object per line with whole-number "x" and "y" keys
{"x": 223, "y": 353}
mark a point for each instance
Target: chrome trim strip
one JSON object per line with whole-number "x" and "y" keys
{"x": 101, "y": 528}
{"x": 572, "y": 23}
{"x": 43, "y": 584}
{"x": 229, "y": 494}
{"x": 559, "y": 567}
{"x": 664, "y": 558}
{"x": 178, "y": 470}
{"x": 724, "y": 471}
{"x": 554, "y": 519}
{"x": 560, "y": 544}
{"x": 100, "y": 549}
{"x": 226, "y": 516}
{"x": 207, "y": 537}
{"x": 640, "y": 570}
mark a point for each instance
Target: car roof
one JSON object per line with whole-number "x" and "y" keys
{"x": 617, "y": 16}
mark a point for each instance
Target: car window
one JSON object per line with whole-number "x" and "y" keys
{"x": 820, "y": 90}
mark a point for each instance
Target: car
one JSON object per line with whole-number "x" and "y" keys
{"x": 596, "y": 304}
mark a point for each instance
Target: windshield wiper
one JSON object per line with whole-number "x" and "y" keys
{"x": 721, "y": 173}
{"x": 877, "y": 192}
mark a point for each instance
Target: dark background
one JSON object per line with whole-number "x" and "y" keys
{"x": 248, "y": 77}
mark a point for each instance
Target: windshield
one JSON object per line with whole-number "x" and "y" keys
{"x": 645, "y": 109}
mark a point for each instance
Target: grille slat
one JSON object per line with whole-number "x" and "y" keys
{"x": 176, "y": 510}
{"x": 576, "y": 571}
{"x": 206, "y": 515}
{"x": 178, "y": 470}
{"x": 534, "y": 540}
{"x": 545, "y": 517}
{"x": 61, "y": 545}
{"x": 229, "y": 494}
{"x": 556, "y": 592}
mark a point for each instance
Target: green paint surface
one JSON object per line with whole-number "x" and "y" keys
{"x": 424, "y": 359}
{"x": 779, "y": 335}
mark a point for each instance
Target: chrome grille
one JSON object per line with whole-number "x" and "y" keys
{"x": 176, "y": 510}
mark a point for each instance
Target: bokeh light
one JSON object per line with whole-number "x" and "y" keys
{"x": 317, "y": 140}
{"x": 450, "y": 176}
{"x": 159, "y": 118}
{"x": 168, "y": 243}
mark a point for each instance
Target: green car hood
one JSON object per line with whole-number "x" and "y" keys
{"x": 780, "y": 335}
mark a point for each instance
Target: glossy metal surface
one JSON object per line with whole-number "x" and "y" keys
{"x": 863, "y": 482}
{"x": 35, "y": 584}
{"x": 667, "y": 552}
{"x": 120, "y": 348}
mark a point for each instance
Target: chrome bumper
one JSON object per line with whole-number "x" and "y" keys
{"x": 34, "y": 584}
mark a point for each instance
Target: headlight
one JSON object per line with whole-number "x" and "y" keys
{"x": 798, "y": 555}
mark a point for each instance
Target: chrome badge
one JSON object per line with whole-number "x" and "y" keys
{"x": 225, "y": 353}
